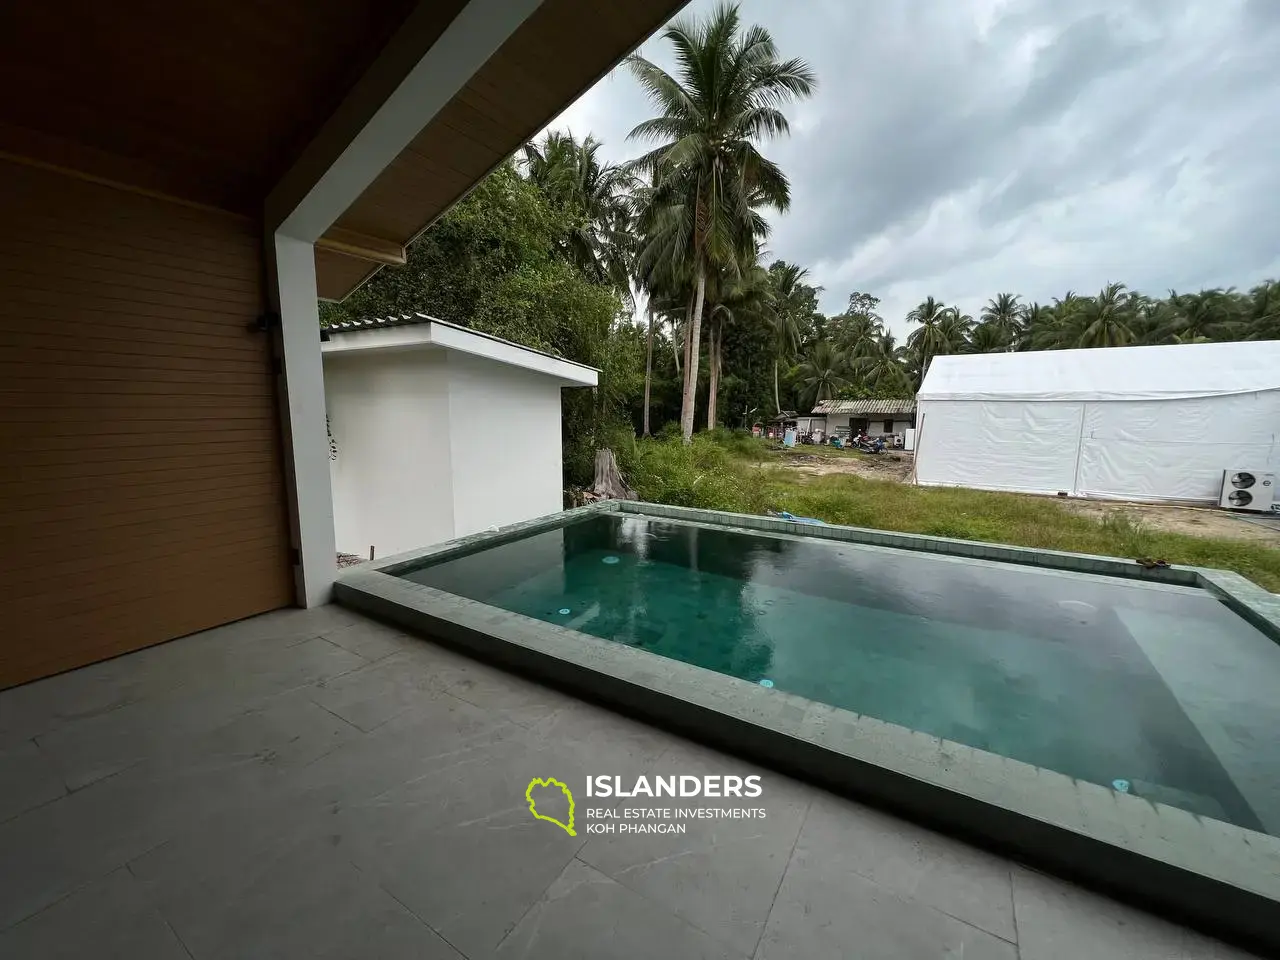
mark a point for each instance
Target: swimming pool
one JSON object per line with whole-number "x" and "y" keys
{"x": 1063, "y": 671}
{"x": 1045, "y": 698}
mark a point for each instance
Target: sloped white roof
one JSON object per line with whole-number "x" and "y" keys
{"x": 1107, "y": 373}
{"x": 418, "y": 331}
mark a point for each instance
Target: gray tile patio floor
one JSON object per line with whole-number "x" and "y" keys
{"x": 313, "y": 784}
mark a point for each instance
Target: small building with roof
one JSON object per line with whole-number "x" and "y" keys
{"x": 876, "y": 418}
{"x": 437, "y": 431}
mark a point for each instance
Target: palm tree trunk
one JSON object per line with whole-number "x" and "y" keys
{"x": 713, "y": 360}
{"x": 777, "y": 402}
{"x": 648, "y": 369}
{"x": 691, "y": 365}
{"x": 688, "y": 325}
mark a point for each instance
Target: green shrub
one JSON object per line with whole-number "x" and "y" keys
{"x": 737, "y": 443}
{"x": 698, "y": 474}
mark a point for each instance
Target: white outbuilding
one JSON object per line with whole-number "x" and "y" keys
{"x": 437, "y": 431}
{"x": 1156, "y": 423}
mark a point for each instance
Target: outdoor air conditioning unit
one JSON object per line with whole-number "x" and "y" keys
{"x": 1247, "y": 490}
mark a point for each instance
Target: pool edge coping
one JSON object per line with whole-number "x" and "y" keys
{"x": 1219, "y": 874}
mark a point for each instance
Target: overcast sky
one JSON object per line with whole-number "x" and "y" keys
{"x": 961, "y": 148}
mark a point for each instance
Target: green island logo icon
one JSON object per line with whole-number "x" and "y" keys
{"x": 533, "y": 806}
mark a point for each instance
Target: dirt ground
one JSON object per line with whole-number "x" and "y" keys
{"x": 896, "y": 465}
{"x": 890, "y": 465}
{"x": 1196, "y": 521}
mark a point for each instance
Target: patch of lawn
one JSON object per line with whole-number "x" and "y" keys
{"x": 1011, "y": 518}
{"x": 736, "y": 476}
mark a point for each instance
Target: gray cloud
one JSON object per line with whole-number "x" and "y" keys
{"x": 959, "y": 148}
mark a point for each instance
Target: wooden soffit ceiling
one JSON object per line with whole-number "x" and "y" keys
{"x": 208, "y": 101}
{"x": 563, "y": 48}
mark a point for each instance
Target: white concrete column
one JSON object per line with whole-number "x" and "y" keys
{"x": 292, "y": 292}
{"x": 414, "y": 77}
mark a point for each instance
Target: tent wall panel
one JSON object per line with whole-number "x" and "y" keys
{"x": 1175, "y": 449}
{"x": 1155, "y": 423}
{"x": 1031, "y": 447}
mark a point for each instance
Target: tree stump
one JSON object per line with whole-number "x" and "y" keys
{"x": 609, "y": 484}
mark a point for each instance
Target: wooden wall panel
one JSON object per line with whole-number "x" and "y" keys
{"x": 141, "y": 489}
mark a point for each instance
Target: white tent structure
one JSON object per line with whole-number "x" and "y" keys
{"x": 1133, "y": 423}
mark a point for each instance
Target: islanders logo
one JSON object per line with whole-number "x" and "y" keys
{"x": 533, "y": 804}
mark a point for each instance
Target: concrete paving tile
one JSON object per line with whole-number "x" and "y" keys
{"x": 295, "y": 621}
{"x": 45, "y": 705}
{"x": 421, "y": 741}
{"x": 724, "y": 884}
{"x": 111, "y": 919}
{"x": 227, "y": 844}
{"x": 515, "y": 698}
{"x": 301, "y": 900}
{"x": 914, "y": 862}
{"x": 284, "y": 732}
{"x": 370, "y": 639}
{"x": 824, "y": 909}
{"x": 297, "y": 807}
{"x": 103, "y": 745}
{"x": 459, "y": 846}
{"x": 602, "y": 737}
{"x": 372, "y": 694}
{"x": 28, "y": 778}
{"x": 587, "y": 916}
{"x": 51, "y": 850}
{"x": 1060, "y": 921}
{"x": 721, "y": 874}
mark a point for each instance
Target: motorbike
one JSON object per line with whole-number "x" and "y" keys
{"x": 868, "y": 445}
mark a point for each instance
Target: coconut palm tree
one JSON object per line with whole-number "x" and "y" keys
{"x": 989, "y": 337}
{"x": 710, "y": 178}
{"x": 860, "y": 334}
{"x": 1060, "y": 324}
{"x": 932, "y": 337}
{"x": 1004, "y": 315}
{"x": 955, "y": 328}
{"x": 651, "y": 273}
{"x": 547, "y": 164}
{"x": 1105, "y": 319}
{"x": 880, "y": 367}
{"x": 1207, "y": 315}
{"x": 787, "y": 282}
{"x": 1035, "y": 317}
{"x": 1262, "y": 311}
{"x": 821, "y": 374}
{"x": 596, "y": 197}
{"x": 747, "y": 294}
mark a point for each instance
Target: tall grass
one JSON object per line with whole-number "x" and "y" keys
{"x": 726, "y": 470}
{"x": 704, "y": 474}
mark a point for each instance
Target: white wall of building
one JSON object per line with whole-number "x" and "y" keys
{"x": 436, "y": 443}
{"x": 876, "y": 423}
{"x": 392, "y": 479}
{"x": 504, "y": 443}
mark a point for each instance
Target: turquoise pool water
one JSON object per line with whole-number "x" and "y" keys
{"x": 1158, "y": 691}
